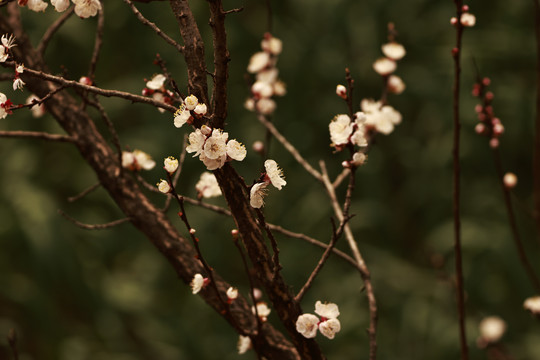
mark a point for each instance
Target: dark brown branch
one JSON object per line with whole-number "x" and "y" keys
{"x": 110, "y": 126}
{"x": 273, "y": 242}
{"x": 83, "y": 193}
{"x": 456, "y": 52}
{"x": 154, "y": 27}
{"x": 93, "y": 226}
{"x": 37, "y": 135}
{"x": 42, "y": 46}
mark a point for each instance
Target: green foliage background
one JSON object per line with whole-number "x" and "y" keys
{"x": 108, "y": 295}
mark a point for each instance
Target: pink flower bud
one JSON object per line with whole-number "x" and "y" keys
{"x": 341, "y": 91}
{"x": 258, "y": 146}
{"x": 465, "y": 8}
{"x": 489, "y": 96}
{"x": 478, "y": 108}
{"x": 453, "y": 20}
{"x": 494, "y": 143}
{"x": 486, "y": 81}
{"x": 480, "y": 128}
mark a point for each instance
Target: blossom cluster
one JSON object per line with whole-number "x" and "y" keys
{"x": 207, "y": 186}
{"x": 273, "y": 175}
{"x": 467, "y": 19}
{"x": 267, "y": 83}
{"x": 83, "y": 8}
{"x": 155, "y": 88}
{"x": 387, "y": 65}
{"x": 136, "y": 160}
{"x": 489, "y": 125}
{"x": 191, "y": 107}
{"x": 328, "y": 324}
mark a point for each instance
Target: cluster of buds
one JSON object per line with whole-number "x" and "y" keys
{"x": 345, "y": 131}
{"x": 7, "y": 43}
{"x": 207, "y": 186}
{"x": 467, "y": 19}
{"x": 213, "y": 147}
{"x": 190, "y": 108}
{"x": 273, "y": 175}
{"x": 491, "y": 328}
{"x": 387, "y": 65}
{"x": 267, "y": 83}
{"x": 155, "y": 88}
{"x": 328, "y": 324}
{"x": 136, "y": 160}
{"x": 489, "y": 125}
{"x": 83, "y": 8}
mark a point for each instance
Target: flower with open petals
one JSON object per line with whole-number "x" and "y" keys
{"x": 207, "y": 186}
{"x": 532, "y": 304}
{"x": 60, "y": 5}
{"x": 37, "y": 5}
{"x": 384, "y": 66}
{"x": 137, "y": 160}
{"x": 156, "y": 82}
{"x": 244, "y": 344}
{"x": 200, "y": 109}
{"x": 5, "y": 104}
{"x": 271, "y": 44}
{"x": 265, "y": 106}
{"x": 18, "y": 84}
{"x": 164, "y": 186}
{"x": 213, "y": 164}
{"x": 197, "y": 283}
{"x": 307, "y": 325}
{"x": 274, "y": 173}
{"x": 393, "y": 50}
{"x": 86, "y": 8}
{"x": 191, "y": 102}
{"x": 236, "y": 150}
{"x": 196, "y": 142}
{"x": 8, "y": 41}
{"x": 258, "y": 62}
{"x": 263, "y": 311}
{"x": 216, "y": 145}
{"x": 328, "y": 310}
{"x": 330, "y": 327}
{"x": 170, "y": 164}
{"x": 257, "y": 194}
{"x": 340, "y": 129}
{"x": 181, "y": 116}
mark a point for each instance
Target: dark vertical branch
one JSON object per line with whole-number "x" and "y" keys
{"x": 193, "y": 49}
{"x": 456, "y": 52}
{"x": 98, "y": 43}
{"x": 536, "y": 151}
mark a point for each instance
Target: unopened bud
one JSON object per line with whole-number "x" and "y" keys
{"x": 494, "y": 143}
{"x": 489, "y": 96}
{"x": 206, "y": 130}
{"x": 192, "y": 231}
{"x": 480, "y": 128}
{"x": 258, "y": 146}
{"x": 510, "y": 180}
{"x": 85, "y": 80}
{"x": 341, "y": 91}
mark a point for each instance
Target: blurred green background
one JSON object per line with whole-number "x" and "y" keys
{"x": 108, "y": 295}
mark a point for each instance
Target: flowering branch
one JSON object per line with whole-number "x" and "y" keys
{"x": 36, "y": 135}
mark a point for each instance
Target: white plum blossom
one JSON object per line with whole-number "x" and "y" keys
{"x": 244, "y": 344}
{"x": 341, "y": 129}
{"x": 197, "y": 283}
{"x": 200, "y": 109}
{"x": 196, "y": 142}
{"x": 213, "y": 164}
{"x": 258, "y": 62}
{"x": 307, "y": 325}
{"x": 359, "y": 158}
{"x": 341, "y": 91}
{"x": 274, "y": 173}
{"x": 156, "y": 82}
{"x": 271, "y": 44}
{"x": 510, "y": 180}
{"x": 468, "y": 19}
{"x": 60, "y": 5}
{"x": 5, "y": 103}
{"x": 268, "y": 75}
{"x": 37, "y": 5}
{"x": 370, "y": 105}
{"x": 532, "y": 304}
{"x": 191, "y": 102}
{"x": 395, "y": 84}
{"x": 86, "y": 8}
{"x": 330, "y": 327}
{"x": 7, "y": 43}
{"x": 492, "y": 328}
{"x": 257, "y": 194}
{"x": 170, "y": 164}
{"x": 38, "y": 110}
{"x": 381, "y": 119}
{"x": 236, "y": 150}
{"x": 137, "y": 160}
{"x": 207, "y": 186}
{"x": 328, "y": 310}
{"x": 384, "y": 66}
{"x": 164, "y": 186}
{"x": 393, "y": 50}
{"x": 280, "y": 88}
{"x": 232, "y": 293}
{"x": 263, "y": 311}
{"x": 265, "y": 106}
{"x": 18, "y": 84}
{"x": 181, "y": 116}
{"x": 216, "y": 145}
{"x": 262, "y": 89}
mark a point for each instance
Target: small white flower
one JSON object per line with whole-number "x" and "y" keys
{"x": 268, "y": 75}
{"x": 60, "y": 5}
{"x": 37, "y": 5}
{"x": 197, "y": 283}
{"x": 216, "y": 145}
{"x": 213, "y": 164}
{"x": 328, "y": 310}
{"x": 395, "y": 84}
{"x": 257, "y": 194}
{"x": 510, "y": 180}
{"x": 249, "y": 104}
{"x": 258, "y": 62}
{"x": 156, "y": 82}
{"x": 8, "y": 41}
{"x": 170, "y": 164}
{"x": 280, "y": 88}
{"x": 4, "y": 104}
{"x": 4, "y": 54}
{"x": 468, "y": 19}
{"x": 19, "y": 69}
{"x": 18, "y": 84}
{"x": 330, "y": 327}
{"x": 359, "y": 137}
{"x": 370, "y": 105}
{"x": 384, "y": 66}
{"x": 359, "y": 158}
{"x": 163, "y": 186}
{"x": 532, "y": 304}
{"x": 306, "y": 324}
{"x": 262, "y": 89}
{"x": 181, "y": 117}
{"x": 393, "y": 50}
{"x": 86, "y": 8}
{"x": 207, "y": 186}
{"x": 232, "y": 293}
{"x": 200, "y": 109}
{"x": 340, "y": 129}
{"x": 38, "y": 110}
{"x": 236, "y": 150}
{"x": 275, "y": 174}
{"x": 244, "y": 344}
{"x": 384, "y": 119}
{"x": 196, "y": 142}
{"x": 265, "y": 106}
{"x": 262, "y": 310}
{"x": 191, "y": 102}
{"x": 492, "y": 328}
{"x": 272, "y": 45}
{"x": 341, "y": 91}
{"x": 144, "y": 160}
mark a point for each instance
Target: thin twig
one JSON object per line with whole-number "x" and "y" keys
{"x": 342, "y": 176}
{"x": 42, "y": 46}
{"x": 273, "y": 242}
{"x": 456, "y": 52}
{"x": 110, "y": 126}
{"x": 97, "y": 44}
{"x": 289, "y": 147}
{"x": 36, "y": 135}
{"x": 154, "y": 27}
{"x": 84, "y": 193}
{"x": 93, "y": 226}
{"x": 536, "y": 153}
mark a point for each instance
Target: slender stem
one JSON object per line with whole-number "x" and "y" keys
{"x": 93, "y": 226}
{"x": 36, "y": 135}
{"x": 84, "y": 193}
{"x": 536, "y": 151}
{"x": 97, "y": 44}
{"x": 273, "y": 242}
{"x": 456, "y": 52}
